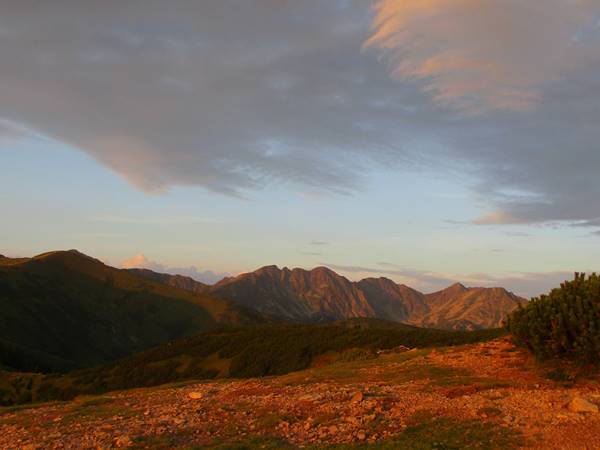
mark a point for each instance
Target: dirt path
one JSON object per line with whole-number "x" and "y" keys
{"x": 491, "y": 389}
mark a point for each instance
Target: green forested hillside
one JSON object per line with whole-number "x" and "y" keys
{"x": 63, "y": 310}
{"x": 239, "y": 352}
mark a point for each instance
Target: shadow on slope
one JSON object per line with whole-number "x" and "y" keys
{"x": 63, "y": 310}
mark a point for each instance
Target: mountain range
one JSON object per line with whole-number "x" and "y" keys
{"x": 63, "y": 310}
{"x": 321, "y": 294}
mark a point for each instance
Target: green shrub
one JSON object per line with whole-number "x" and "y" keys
{"x": 563, "y": 324}
{"x": 559, "y": 374}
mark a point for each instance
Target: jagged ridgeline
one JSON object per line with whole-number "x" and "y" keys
{"x": 564, "y": 324}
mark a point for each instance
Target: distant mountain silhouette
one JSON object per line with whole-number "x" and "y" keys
{"x": 322, "y": 294}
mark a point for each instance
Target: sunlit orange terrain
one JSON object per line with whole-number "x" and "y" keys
{"x": 489, "y": 395}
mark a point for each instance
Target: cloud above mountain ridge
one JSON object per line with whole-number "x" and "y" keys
{"x": 527, "y": 284}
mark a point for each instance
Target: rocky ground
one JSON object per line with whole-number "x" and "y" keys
{"x": 488, "y": 395}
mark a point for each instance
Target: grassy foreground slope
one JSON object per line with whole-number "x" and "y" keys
{"x": 242, "y": 352}
{"x": 480, "y": 396}
{"x": 64, "y": 310}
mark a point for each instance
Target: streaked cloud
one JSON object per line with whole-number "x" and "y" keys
{"x": 166, "y": 220}
{"x": 387, "y": 264}
{"x": 481, "y": 55}
{"x": 517, "y": 234}
{"x": 417, "y": 279}
{"x": 310, "y": 253}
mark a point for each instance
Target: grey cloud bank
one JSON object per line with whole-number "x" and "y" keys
{"x": 234, "y": 96}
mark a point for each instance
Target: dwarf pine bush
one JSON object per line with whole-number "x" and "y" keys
{"x": 564, "y": 324}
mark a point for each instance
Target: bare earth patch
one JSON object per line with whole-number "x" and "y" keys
{"x": 487, "y": 395}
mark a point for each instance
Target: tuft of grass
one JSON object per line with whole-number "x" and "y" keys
{"x": 251, "y": 443}
{"x": 560, "y": 375}
{"x": 444, "y": 433}
{"x": 490, "y": 411}
{"x": 352, "y": 371}
{"x": 12, "y": 409}
{"x": 424, "y": 433}
{"x": 433, "y": 374}
{"x": 88, "y": 402}
{"x": 268, "y": 421}
{"x": 165, "y": 441}
{"x": 96, "y": 408}
{"x": 357, "y": 354}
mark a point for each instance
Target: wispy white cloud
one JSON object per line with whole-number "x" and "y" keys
{"x": 140, "y": 261}
{"x": 167, "y": 220}
{"x": 517, "y": 234}
{"x": 419, "y": 279}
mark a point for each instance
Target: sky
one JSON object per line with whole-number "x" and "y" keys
{"x": 428, "y": 141}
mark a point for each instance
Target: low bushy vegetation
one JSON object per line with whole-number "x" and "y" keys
{"x": 563, "y": 324}
{"x": 239, "y": 352}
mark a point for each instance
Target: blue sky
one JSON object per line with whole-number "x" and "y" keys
{"x": 409, "y": 227}
{"x": 213, "y": 138}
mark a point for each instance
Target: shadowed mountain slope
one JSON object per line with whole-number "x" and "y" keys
{"x": 63, "y": 309}
{"x": 317, "y": 294}
{"x": 178, "y": 281}
{"x": 393, "y": 301}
